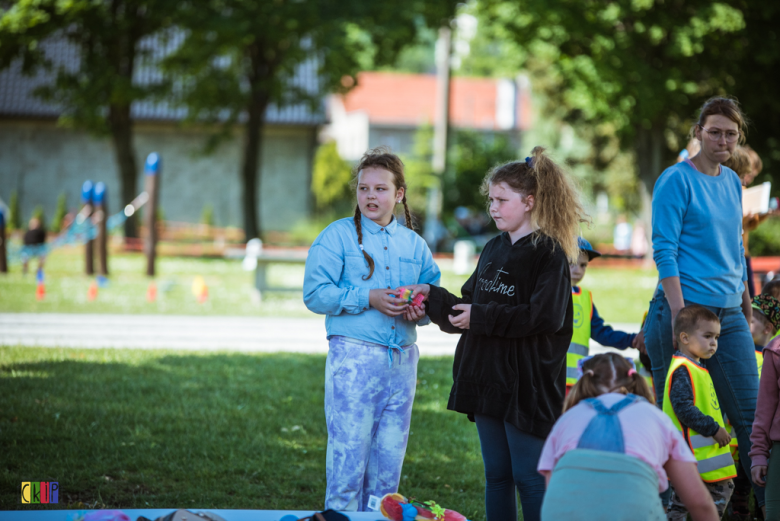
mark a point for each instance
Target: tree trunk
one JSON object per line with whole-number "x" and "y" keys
{"x": 649, "y": 148}
{"x": 250, "y": 174}
{"x": 122, "y": 135}
{"x": 262, "y": 70}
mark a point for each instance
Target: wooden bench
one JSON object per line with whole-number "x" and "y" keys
{"x": 269, "y": 257}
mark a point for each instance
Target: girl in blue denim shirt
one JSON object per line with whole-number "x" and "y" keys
{"x": 352, "y": 272}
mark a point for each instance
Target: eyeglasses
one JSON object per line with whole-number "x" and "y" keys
{"x": 716, "y": 134}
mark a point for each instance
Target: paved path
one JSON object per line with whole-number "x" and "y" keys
{"x": 302, "y": 335}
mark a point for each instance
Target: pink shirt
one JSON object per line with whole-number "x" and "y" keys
{"x": 766, "y": 425}
{"x": 648, "y": 434}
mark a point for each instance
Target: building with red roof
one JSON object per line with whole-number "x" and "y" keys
{"x": 387, "y": 108}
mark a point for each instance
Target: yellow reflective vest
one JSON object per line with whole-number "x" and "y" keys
{"x": 715, "y": 463}
{"x": 580, "y": 338}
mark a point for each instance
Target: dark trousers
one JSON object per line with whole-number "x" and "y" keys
{"x": 511, "y": 457}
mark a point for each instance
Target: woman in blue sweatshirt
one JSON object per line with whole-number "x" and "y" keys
{"x": 697, "y": 242}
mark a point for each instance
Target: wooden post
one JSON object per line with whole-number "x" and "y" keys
{"x": 440, "y": 131}
{"x": 101, "y": 211}
{"x": 3, "y": 250}
{"x": 152, "y": 170}
{"x": 87, "y": 190}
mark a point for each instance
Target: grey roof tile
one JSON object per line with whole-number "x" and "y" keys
{"x": 18, "y": 101}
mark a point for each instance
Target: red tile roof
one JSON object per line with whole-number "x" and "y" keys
{"x": 409, "y": 99}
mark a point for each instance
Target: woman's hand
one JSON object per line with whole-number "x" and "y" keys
{"x": 385, "y": 301}
{"x": 414, "y": 313}
{"x": 462, "y": 320}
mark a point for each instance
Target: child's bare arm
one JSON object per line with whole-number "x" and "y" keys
{"x": 689, "y": 486}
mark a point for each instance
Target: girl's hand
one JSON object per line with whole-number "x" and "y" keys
{"x": 414, "y": 313}
{"x": 384, "y": 301}
{"x": 425, "y": 289}
{"x": 758, "y": 473}
{"x": 463, "y": 320}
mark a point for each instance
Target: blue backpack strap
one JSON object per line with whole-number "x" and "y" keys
{"x": 604, "y": 431}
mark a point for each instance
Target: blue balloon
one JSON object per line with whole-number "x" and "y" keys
{"x": 152, "y": 165}
{"x": 99, "y": 192}
{"x": 87, "y": 191}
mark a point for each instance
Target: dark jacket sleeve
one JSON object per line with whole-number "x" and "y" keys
{"x": 681, "y": 396}
{"x": 440, "y": 301}
{"x": 606, "y": 336}
{"x": 545, "y": 314}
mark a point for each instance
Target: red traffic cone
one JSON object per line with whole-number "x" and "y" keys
{"x": 151, "y": 293}
{"x": 92, "y": 292}
{"x": 204, "y": 294}
{"x": 40, "y": 291}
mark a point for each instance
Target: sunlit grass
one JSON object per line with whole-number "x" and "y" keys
{"x": 621, "y": 294}
{"x": 164, "y": 429}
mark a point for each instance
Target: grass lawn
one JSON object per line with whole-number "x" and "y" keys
{"x": 157, "y": 429}
{"x": 621, "y": 294}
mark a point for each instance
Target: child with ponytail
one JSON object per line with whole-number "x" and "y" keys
{"x": 352, "y": 271}
{"x": 613, "y": 451}
{"x": 514, "y": 316}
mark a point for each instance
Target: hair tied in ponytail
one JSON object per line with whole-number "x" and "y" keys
{"x": 589, "y": 372}
{"x": 631, "y": 372}
{"x": 529, "y": 161}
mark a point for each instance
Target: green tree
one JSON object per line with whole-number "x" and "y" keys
{"x": 635, "y": 68}
{"x": 98, "y": 93}
{"x": 330, "y": 180}
{"x": 473, "y": 155}
{"x": 239, "y": 56}
{"x": 15, "y": 218}
{"x": 59, "y": 212}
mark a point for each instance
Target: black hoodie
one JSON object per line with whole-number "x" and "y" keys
{"x": 511, "y": 362}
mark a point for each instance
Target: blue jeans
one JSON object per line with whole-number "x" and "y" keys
{"x": 511, "y": 457}
{"x": 732, "y": 368}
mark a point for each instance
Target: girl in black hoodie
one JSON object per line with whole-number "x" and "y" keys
{"x": 515, "y": 321}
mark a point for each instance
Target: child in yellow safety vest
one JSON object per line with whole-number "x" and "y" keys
{"x": 691, "y": 403}
{"x": 587, "y": 322}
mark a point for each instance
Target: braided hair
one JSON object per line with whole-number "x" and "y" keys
{"x": 380, "y": 157}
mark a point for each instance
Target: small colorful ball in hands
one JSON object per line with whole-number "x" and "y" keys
{"x": 406, "y": 294}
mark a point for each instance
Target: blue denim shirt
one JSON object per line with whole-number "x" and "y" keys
{"x": 334, "y": 285}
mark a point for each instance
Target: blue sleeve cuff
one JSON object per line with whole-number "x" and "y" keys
{"x": 363, "y": 299}
{"x": 667, "y": 269}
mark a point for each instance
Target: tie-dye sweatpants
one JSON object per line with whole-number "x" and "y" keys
{"x": 368, "y": 408}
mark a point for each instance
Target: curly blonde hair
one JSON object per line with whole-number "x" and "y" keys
{"x": 557, "y": 210}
